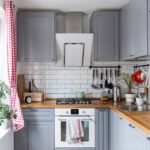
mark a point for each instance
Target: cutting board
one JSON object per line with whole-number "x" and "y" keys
{"x": 20, "y": 86}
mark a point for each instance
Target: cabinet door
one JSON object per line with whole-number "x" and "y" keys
{"x": 135, "y": 137}
{"x": 126, "y": 34}
{"x": 40, "y": 136}
{"x": 124, "y": 135}
{"x": 105, "y": 36}
{"x": 20, "y": 139}
{"x": 140, "y": 27}
{"x": 134, "y": 30}
{"x": 116, "y": 133}
{"x": 148, "y": 142}
{"x": 36, "y": 36}
{"x": 102, "y": 129}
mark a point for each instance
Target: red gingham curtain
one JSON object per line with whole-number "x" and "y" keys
{"x": 12, "y": 61}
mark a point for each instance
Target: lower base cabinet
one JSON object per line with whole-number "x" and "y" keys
{"x": 38, "y": 133}
{"x": 102, "y": 129}
{"x": 124, "y": 135}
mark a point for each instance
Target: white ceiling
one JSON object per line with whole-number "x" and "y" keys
{"x": 71, "y": 5}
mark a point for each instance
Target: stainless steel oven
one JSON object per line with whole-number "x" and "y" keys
{"x": 87, "y": 117}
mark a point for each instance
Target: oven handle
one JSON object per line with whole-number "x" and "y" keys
{"x": 90, "y": 119}
{"x": 74, "y": 116}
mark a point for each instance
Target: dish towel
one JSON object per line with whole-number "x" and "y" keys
{"x": 74, "y": 131}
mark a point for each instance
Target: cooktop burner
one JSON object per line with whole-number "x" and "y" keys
{"x": 70, "y": 101}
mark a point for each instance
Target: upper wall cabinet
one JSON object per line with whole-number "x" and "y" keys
{"x": 36, "y": 36}
{"x": 105, "y": 26}
{"x": 134, "y": 30}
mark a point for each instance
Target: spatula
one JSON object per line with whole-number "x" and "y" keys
{"x": 106, "y": 81}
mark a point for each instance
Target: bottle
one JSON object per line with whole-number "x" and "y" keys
{"x": 116, "y": 94}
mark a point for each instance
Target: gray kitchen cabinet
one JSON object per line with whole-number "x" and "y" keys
{"x": 36, "y": 36}
{"x": 105, "y": 26}
{"x": 148, "y": 142}
{"x": 20, "y": 139}
{"x": 124, "y": 135}
{"x": 102, "y": 129}
{"x": 148, "y": 27}
{"x": 116, "y": 141}
{"x": 134, "y": 30}
{"x": 38, "y": 132}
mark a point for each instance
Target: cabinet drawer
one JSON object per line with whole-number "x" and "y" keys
{"x": 36, "y": 114}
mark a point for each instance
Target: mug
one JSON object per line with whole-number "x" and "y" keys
{"x": 80, "y": 95}
{"x": 139, "y": 101}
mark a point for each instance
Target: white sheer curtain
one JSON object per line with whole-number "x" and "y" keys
{"x": 3, "y": 51}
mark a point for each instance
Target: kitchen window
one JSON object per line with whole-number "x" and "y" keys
{"x": 3, "y": 52}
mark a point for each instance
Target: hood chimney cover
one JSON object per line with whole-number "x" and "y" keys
{"x": 74, "y": 22}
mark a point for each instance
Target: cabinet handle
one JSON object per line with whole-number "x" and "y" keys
{"x": 120, "y": 118}
{"x": 148, "y": 138}
{"x": 131, "y": 126}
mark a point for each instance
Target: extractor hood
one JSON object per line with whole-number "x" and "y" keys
{"x": 74, "y": 48}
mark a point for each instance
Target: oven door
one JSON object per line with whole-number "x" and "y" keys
{"x": 88, "y": 124}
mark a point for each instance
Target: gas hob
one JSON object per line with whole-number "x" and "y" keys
{"x": 63, "y": 101}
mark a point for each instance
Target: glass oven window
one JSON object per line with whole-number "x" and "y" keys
{"x": 63, "y": 131}
{"x": 85, "y": 125}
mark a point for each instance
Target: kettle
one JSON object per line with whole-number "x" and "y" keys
{"x": 116, "y": 93}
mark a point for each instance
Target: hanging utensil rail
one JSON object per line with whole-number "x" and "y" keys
{"x": 139, "y": 66}
{"x": 105, "y": 67}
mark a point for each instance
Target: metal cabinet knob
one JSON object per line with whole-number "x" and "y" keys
{"x": 148, "y": 138}
{"x": 131, "y": 126}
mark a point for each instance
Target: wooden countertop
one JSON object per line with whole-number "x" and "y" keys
{"x": 139, "y": 119}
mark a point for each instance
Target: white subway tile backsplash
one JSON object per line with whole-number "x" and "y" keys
{"x": 64, "y": 91}
{"x": 72, "y": 76}
{"x": 79, "y": 81}
{"x": 54, "y": 77}
{"x": 64, "y": 72}
{"x": 72, "y": 86}
{"x": 64, "y": 81}
{"x": 85, "y": 86}
{"x": 57, "y": 86}
{"x": 59, "y": 82}
{"x": 51, "y": 91}
{"x": 51, "y": 71}
{"x": 86, "y": 76}
{"x": 51, "y": 81}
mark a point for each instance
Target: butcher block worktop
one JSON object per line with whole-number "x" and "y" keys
{"x": 140, "y": 119}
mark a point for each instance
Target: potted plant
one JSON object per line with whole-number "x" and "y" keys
{"x": 127, "y": 79}
{"x": 5, "y": 113}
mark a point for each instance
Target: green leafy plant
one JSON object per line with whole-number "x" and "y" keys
{"x": 4, "y": 90}
{"x": 5, "y": 112}
{"x": 127, "y": 79}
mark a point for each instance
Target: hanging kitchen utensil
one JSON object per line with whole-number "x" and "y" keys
{"x": 101, "y": 79}
{"x": 106, "y": 80}
{"x": 110, "y": 84}
{"x": 97, "y": 79}
{"x": 93, "y": 79}
{"x": 118, "y": 72}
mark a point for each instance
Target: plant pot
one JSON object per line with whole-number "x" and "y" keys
{"x": 5, "y": 124}
{"x": 130, "y": 98}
